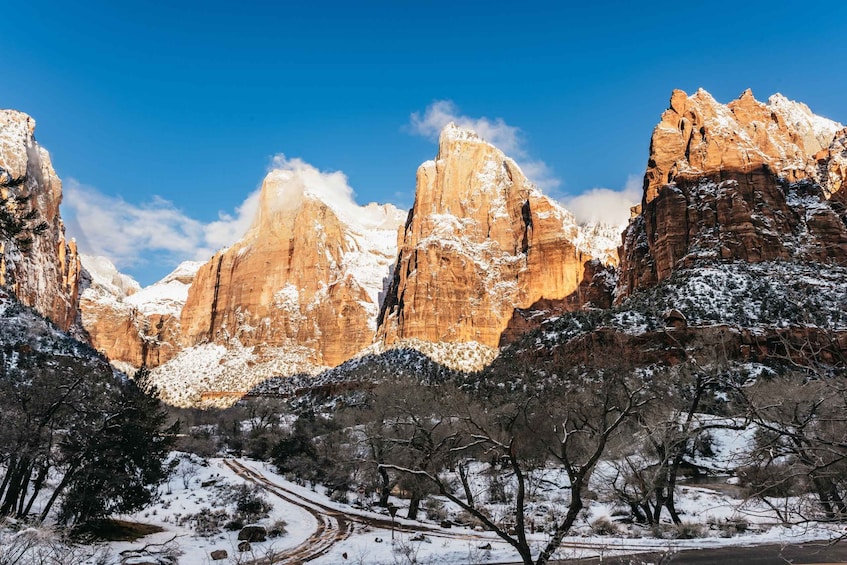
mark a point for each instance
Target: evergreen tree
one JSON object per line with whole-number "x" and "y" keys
{"x": 123, "y": 459}
{"x": 18, "y": 222}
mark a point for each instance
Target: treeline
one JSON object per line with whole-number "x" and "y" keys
{"x": 504, "y": 428}
{"x": 76, "y": 437}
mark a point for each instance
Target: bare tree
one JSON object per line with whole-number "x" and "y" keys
{"x": 571, "y": 420}
{"x": 670, "y": 432}
{"x": 802, "y": 439}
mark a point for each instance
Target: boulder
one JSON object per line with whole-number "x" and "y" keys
{"x": 253, "y": 533}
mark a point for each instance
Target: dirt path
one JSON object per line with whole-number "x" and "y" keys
{"x": 335, "y": 525}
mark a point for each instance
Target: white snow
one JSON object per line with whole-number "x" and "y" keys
{"x": 809, "y": 134}
{"x": 230, "y": 368}
{"x": 104, "y": 273}
{"x": 168, "y": 295}
{"x": 109, "y": 286}
{"x": 458, "y": 545}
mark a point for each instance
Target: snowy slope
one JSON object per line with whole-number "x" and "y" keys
{"x": 168, "y": 295}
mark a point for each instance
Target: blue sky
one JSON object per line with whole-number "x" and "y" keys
{"x": 173, "y": 111}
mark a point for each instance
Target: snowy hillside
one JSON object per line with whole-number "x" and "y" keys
{"x": 168, "y": 295}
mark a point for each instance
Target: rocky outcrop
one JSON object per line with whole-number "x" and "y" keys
{"x": 46, "y": 276}
{"x": 479, "y": 242}
{"x": 607, "y": 347}
{"x": 747, "y": 180}
{"x": 132, "y": 326}
{"x": 596, "y": 291}
{"x": 308, "y": 275}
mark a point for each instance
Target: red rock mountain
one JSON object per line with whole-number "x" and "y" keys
{"x": 130, "y": 325}
{"x": 480, "y": 241}
{"x": 46, "y": 277}
{"x": 308, "y": 274}
{"x": 748, "y": 180}
{"x": 480, "y": 259}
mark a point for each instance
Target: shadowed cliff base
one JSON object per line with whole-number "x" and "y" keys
{"x": 751, "y": 215}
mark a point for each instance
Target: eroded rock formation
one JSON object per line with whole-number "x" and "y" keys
{"x": 132, "y": 326}
{"x": 308, "y": 274}
{"x": 747, "y": 180}
{"x": 479, "y": 242}
{"x": 46, "y": 276}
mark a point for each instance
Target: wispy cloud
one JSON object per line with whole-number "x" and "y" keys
{"x": 604, "y": 204}
{"x": 156, "y": 231}
{"x": 496, "y": 131}
{"x": 129, "y": 234}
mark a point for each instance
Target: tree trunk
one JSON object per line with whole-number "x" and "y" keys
{"x": 463, "y": 476}
{"x": 62, "y": 485}
{"x": 562, "y": 529}
{"x": 36, "y": 487}
{"x": 831, "y": 501}
{"x": 13, "y": 462}
{"x": 23, "y": 490}
{"x": 14, "y": 490}
{"x": 670, "y": 503}
{"x": 414, "y": 506}
{"x": 384, "y": 487}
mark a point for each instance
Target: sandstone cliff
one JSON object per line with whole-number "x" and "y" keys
{"x": 46, "y": 276}
{"x": 130, "y": 325}
{"x": 308, "y": 275}
{"x": 748, "y": 180}
{"x": 479, "y": 242}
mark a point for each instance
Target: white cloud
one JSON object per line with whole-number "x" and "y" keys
{"x": 228, "y": 228}
{"x": 497, "y": 132}
{"x": 294, "y": 177}
{"x": 442, "y": 112}
{"x": 604, "y": 204}
{"x": 157, "y": 232}
{"x": 128, "y": 234}
{"x": 289, "y": 179}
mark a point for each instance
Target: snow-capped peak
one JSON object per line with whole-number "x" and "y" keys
{"x": 104, "y": 274}
{"x": 798, "y": 116}
{"x": 168, "y": 295}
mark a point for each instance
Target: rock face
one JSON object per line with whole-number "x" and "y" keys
{"x": 479, "y": 242}
{"x": 748, "y": 180}
{"x": 595, "y": 291}
{"x": 46, "y": 276}
{"x": 308, "y": 274}
{"x": 132, "y": 326}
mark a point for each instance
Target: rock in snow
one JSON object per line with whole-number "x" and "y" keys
{"x": 746, "y": 180}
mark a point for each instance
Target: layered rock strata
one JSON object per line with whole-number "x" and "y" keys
{"x": 479, "y": 242}
{"x": 308, "y": 274}
{"x": 46, "y": 276}
{"x": 132, "y": 326}
{"x": 747, "y": 180}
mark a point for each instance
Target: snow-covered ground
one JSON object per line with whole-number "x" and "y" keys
{"x": 198, "y": 488}
{"x": 371, "y": 544}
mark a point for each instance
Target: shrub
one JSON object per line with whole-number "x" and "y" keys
{"x": 234, "y": 525}
{"x": 278, "y": 529}
{"x": 729, "y": 527}
{"x": 207, "y": 522}
{"x": 435, "y": 509}
{"x": 249, "y": 504}
{"x": 604, "y": 526}
{"x": 688, "y": 530}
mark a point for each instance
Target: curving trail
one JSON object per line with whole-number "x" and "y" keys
{"x": 335, "y": 525}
